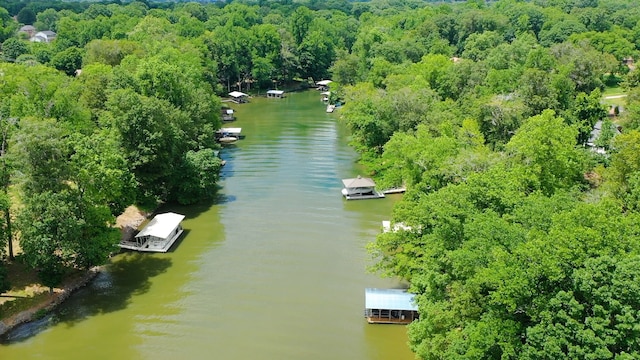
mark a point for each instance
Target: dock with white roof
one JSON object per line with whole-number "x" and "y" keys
{"x": 159, "y": 234}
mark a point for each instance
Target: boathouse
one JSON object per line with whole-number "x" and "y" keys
{"x": 159, "y": 234}
{"x": 239, "y": 97}
{"x": 360, "y": 188}
{"x": 275, "y": 94}
{"x": 389, "y": 306}
{"x": 323, "y": 85}
{"x": 230, "y": 131}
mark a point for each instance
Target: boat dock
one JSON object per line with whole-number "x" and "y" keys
{"x": 389, "y": 306}
{"x": 397, "y": 190}
{"x": 374, "y": 195}
{"x": 360, "y": 188}
{"x": 158, "y": 235}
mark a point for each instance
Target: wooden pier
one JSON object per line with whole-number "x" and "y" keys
{"x": 397, "y": 190}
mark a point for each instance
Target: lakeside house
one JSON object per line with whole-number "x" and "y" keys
{"x": 597, "y": 132}
{"x": 46, "y": 36}
{"x": 30, "y": 30}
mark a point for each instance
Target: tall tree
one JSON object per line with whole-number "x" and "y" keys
{"x": 59, "y": 231}
{"x": 41, "y": 152}
{"x": 586, "y": 112}
{"x": 152, "y": 136}
{"x": 12, "y": 48}
{"x": 544, "y": 150}
{"x": 6, "y": 168}
{"x": 300, "y": 21}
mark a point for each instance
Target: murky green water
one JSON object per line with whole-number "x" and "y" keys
{"x": 275, "y": 269}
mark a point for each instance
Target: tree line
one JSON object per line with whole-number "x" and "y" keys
{"x": 523, "y": 224}
{"x": 123, "y": 107}
{"x": 524, "y": 240}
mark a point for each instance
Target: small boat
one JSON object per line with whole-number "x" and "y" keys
{"x": 330, "y": 108}
{"x": 228, "y": 139}
{"x": 227, "y": 114}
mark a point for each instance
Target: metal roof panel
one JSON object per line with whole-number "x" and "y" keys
{"x": 389, "y": 299}
{"x": 162, "y": 225}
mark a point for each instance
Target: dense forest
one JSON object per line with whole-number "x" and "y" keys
{"x": 523, "y": 237}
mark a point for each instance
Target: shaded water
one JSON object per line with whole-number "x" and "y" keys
{"x": 275, "y": 269}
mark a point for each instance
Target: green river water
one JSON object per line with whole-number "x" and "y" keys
{"x": 273, "y": 269}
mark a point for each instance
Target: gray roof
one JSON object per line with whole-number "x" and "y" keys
{"x": 597, "y": 130}
{"x": 358, "y": 182}
{"x": 389, "y": 299}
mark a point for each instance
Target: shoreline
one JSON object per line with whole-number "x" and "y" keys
{"x": 128, "y": 222}
{"x": 51, "y": 302}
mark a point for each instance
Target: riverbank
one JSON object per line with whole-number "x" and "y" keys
{"x": 49, "y": 301}
{"x": 27, "y": 290}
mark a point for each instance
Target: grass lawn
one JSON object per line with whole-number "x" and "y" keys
{"x": 613, "y": 91}
{"x": 614, "y": 96}
{"x": 25, "y": 291}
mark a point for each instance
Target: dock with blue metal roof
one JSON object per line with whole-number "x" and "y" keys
{"x": 390, "y": 306}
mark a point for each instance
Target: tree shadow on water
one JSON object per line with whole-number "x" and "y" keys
{"x": 111, "y": 290}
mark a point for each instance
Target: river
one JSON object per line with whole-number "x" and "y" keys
{"x": 275, "y": 268}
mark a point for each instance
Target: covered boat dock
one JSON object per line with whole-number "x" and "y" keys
{"x": 239, "y": 97}
{"x": 360, "y": 188}
{"x": 275, "y": 94}
{"x": 159, "y": 234}
{"x": 323, "y": 85}
{"x": 230, "y": 131}
{"x": 389, "y": 306}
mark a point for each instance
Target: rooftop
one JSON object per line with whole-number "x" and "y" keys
{"x": 389, "y": 299}
{"x": 358, "y": 182}
{"x": 162, "y": 225}
{"x": 237, "y": 94}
